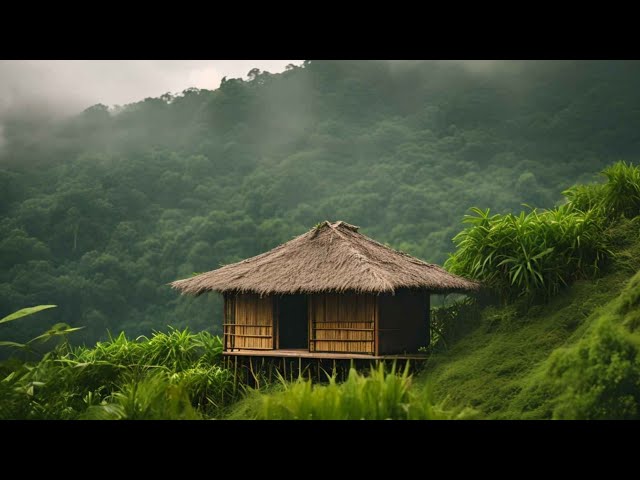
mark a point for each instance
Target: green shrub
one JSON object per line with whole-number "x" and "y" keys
{"x": 622, "y": 190}
{"x": 619, "y": 196}
{"x": 596, "y": 374}
{"x": 449, "y": 323}
{"x": 541, "y": 251}
{"x": 532, "y": 253}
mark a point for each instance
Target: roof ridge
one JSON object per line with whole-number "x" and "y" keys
{"x": 341, "y": 223}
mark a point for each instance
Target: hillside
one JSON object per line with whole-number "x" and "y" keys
{"x": 574, "y": 357}
{"x": 100, "y": 211}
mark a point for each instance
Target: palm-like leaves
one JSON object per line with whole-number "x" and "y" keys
{"x": 620, "y": 195}
{"x": 541, "y": 251}
{"x": 533, "y": 252}
{"x": 622, "y": 190}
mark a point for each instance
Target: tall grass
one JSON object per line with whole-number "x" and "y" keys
{"x": 379, "y": 395}
{"x": 154, "y": 397}
{"x": 622, "y": 190}
{"x": 176, "y": 350}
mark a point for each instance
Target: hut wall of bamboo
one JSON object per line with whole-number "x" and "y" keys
{"x": 248, "y": 322}
{"x": 342, "y": 322}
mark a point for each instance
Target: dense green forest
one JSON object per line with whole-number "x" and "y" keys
{"x": 100, "y": 211}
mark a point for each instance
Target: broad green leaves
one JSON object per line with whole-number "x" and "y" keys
{"x": 24, "y": 312}
{"x": 537, "y": 252}
{"x": 541, "y": 251}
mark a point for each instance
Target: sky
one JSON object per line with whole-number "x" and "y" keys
{"x": 70, "y": 86}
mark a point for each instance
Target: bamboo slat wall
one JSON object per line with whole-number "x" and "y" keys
{"x": 248, "y": 322}
{"x": 342, "y": 323}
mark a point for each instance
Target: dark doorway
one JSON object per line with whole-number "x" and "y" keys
{"x": 293, "y": 323}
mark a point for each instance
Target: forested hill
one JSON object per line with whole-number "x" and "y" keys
{"x": 100, "y": 211}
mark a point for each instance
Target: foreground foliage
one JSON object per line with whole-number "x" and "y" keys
{"x": 575, "y": 356}
{"x": 380, "y": 395}
{"x": 170, "y": 375}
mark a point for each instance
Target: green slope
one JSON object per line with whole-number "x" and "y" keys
{"x": 574, "y": 357}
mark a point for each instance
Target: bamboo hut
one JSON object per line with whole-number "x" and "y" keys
{"x": 329, "y": 293}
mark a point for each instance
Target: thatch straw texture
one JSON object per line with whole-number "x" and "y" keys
{"x": 332, "y": 257}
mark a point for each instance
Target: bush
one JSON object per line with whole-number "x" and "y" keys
{"x": 450, "y": 323}
{"x": 541, "y": 251}
{"x": 597, "y": 376}
{"x": 619, "y": 196}
{"x": 528, "y": 254}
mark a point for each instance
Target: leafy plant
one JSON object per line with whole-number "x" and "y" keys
{"x": 544, "y": 250}
{"x": 121, "y": 378}
{"x": 24, "y": 312}
{"x": 620, "y": 195}
{"x": 622, "y": 190}
{"x": 530, "y": 253}
{"x": 449, "y": 323}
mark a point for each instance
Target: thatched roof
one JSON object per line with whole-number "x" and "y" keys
{"x": 330, "y": 257}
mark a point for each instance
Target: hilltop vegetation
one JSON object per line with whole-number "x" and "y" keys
{"x": 100, "y": 211}
{"x": 575, "y": 355}
{"x": 544, "y": 250}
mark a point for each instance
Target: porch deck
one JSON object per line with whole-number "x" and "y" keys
{"x": 303, "y": 353}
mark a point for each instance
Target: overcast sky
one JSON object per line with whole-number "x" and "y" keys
{"x": 69, "y": 86}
